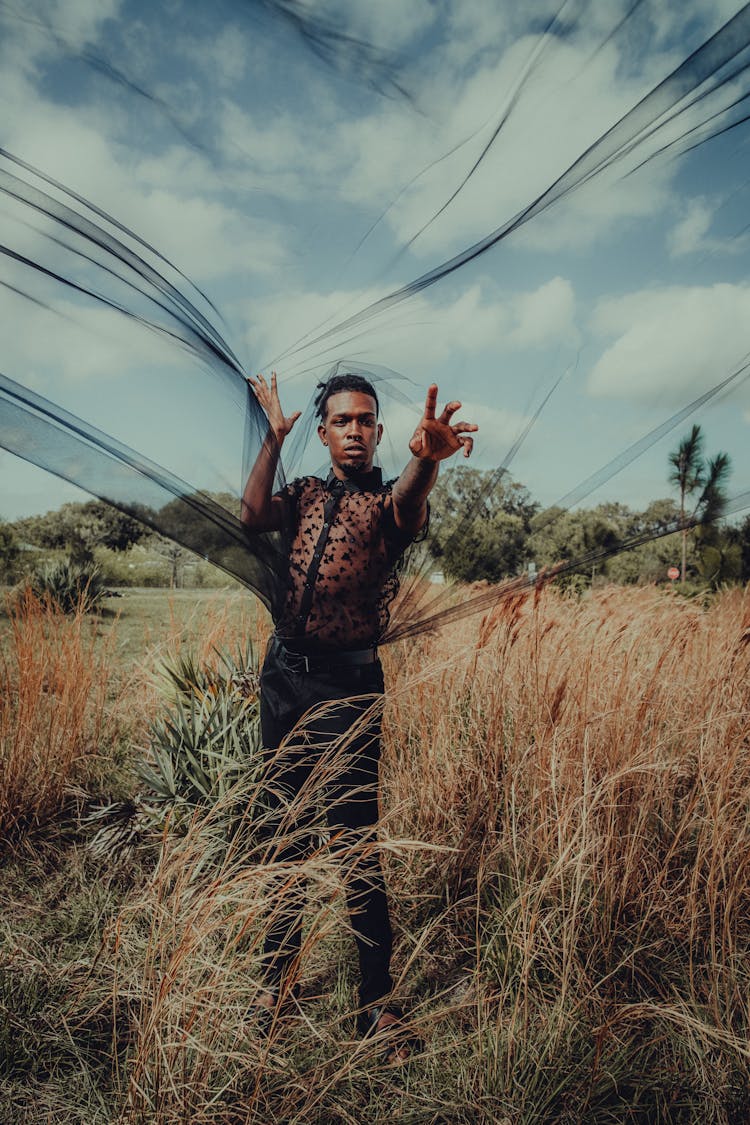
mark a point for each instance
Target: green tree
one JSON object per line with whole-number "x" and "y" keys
{"x": 570, "y": 536}
{"x": 480, "y": 524}
{"x": 10, "y": 553}
{"x": 692, "y": 474}
{"x": 649, "y": 561}
{"x": 79, "y": 528}
{"x": 660, "y": 515}
{"x": 743, "y": 541}
{"x": 720, "y": 561}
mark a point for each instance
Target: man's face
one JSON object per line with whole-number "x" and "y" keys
{"x": 351, "y": 431}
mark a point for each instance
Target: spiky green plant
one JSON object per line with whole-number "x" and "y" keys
{"x": 71, "y": 586}
{"x": 208, "y": 738}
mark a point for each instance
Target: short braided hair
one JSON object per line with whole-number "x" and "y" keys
{"x": 337, "y": 383}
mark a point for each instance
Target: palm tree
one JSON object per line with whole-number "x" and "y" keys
{"x": 691, "y": 474}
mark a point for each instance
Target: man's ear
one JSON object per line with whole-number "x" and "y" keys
{"x": 380, "y": 431}
{"x": 322, "y": 434}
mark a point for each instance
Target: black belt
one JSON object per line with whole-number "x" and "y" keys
{"x": 324, "y": 662}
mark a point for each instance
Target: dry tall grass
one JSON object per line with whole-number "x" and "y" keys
{"x": 591, "y": 764}
{"x": 566, "y": 832}
{"x": 53, "y": 718}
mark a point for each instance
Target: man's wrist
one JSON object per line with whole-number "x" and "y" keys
{"x": 426, "y": 463}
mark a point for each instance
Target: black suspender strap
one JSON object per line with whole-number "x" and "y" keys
{"x": 329, "y": 510}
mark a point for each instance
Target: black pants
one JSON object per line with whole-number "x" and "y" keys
{"x": 351, "y": 800}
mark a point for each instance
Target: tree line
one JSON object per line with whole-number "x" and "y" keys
{"x": 488, "y": 527}
{"x": 484, "y": 526}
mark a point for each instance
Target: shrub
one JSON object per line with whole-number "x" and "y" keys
{"x": 71, "y": 586}
{"x": 209, "y": 737}
{"x": 9, "y": 554}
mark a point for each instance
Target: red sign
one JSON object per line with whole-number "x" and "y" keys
{"x": 673, "y": 573}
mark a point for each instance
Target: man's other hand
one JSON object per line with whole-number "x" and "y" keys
{"x": 436, "y": 439}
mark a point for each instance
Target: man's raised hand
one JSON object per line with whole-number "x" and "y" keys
{"x": 435, "y": 439}
{"x": 268, "y": 397}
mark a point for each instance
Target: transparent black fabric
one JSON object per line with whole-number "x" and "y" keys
{"x": 170, "y": 435}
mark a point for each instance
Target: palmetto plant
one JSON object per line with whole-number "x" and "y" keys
{"x": 203, "y": 754}
{"x": 208, "y": 739}
{"x": 71, "y": 586}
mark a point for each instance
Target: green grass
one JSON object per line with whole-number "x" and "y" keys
{"x": 149, "y": 622}
{"x": 55, "y": 1047}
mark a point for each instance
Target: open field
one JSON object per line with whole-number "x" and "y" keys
{"x": 566, "y": 830}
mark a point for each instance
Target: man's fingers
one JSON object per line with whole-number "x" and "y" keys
{"x": 464, "y": 427}
{"x": 431, "y": 402}
{"x": 468, "y": 444}
{"x": 449, "y": 410}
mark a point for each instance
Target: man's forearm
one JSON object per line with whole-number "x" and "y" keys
{"x": 256, "y": 509}
{"x": 410, "y": 493}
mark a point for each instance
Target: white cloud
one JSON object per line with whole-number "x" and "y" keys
{"x": 203, "y": 237}
{"x": 275, "y": 152}
{"x": 545, "y": 316}
{"x": 76, "y": 22}
{"x": 689, "y": 235}
{"x": 422, "y": 331}
{"x": 82, "y": 20}
{"x": 570, "y": 97}
{"x": 671, "y": 343}
{"x": 226, "y": 55}
{"x": 701, "y": 16}
{"x": 171, "y": 200}
{"x": 566, "y": 104}
{"x": 76, "y": 343}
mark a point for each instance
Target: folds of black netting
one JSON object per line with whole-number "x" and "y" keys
{"x": 95, "y": 261}
{"x": 100, "y": 260}
{"x": 41, "y": 432}
{"x": 55, "y": 440}
{"x": 423, "y": 606}
{"x": 459, "y": 604}
{"x": 699, "y": 75}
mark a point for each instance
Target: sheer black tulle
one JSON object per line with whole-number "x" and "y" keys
{"x": 76, "y": 263}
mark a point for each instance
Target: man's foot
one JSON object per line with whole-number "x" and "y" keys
{"x": 269, "y": 1005}
{"x": 386, "y": 1023}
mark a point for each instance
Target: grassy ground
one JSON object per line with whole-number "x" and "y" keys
{"x": 566, "y": 789}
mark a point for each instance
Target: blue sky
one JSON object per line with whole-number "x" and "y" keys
{"x": 258, "y": 168}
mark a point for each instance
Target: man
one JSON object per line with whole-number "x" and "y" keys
{"x": 343, "y": 538}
